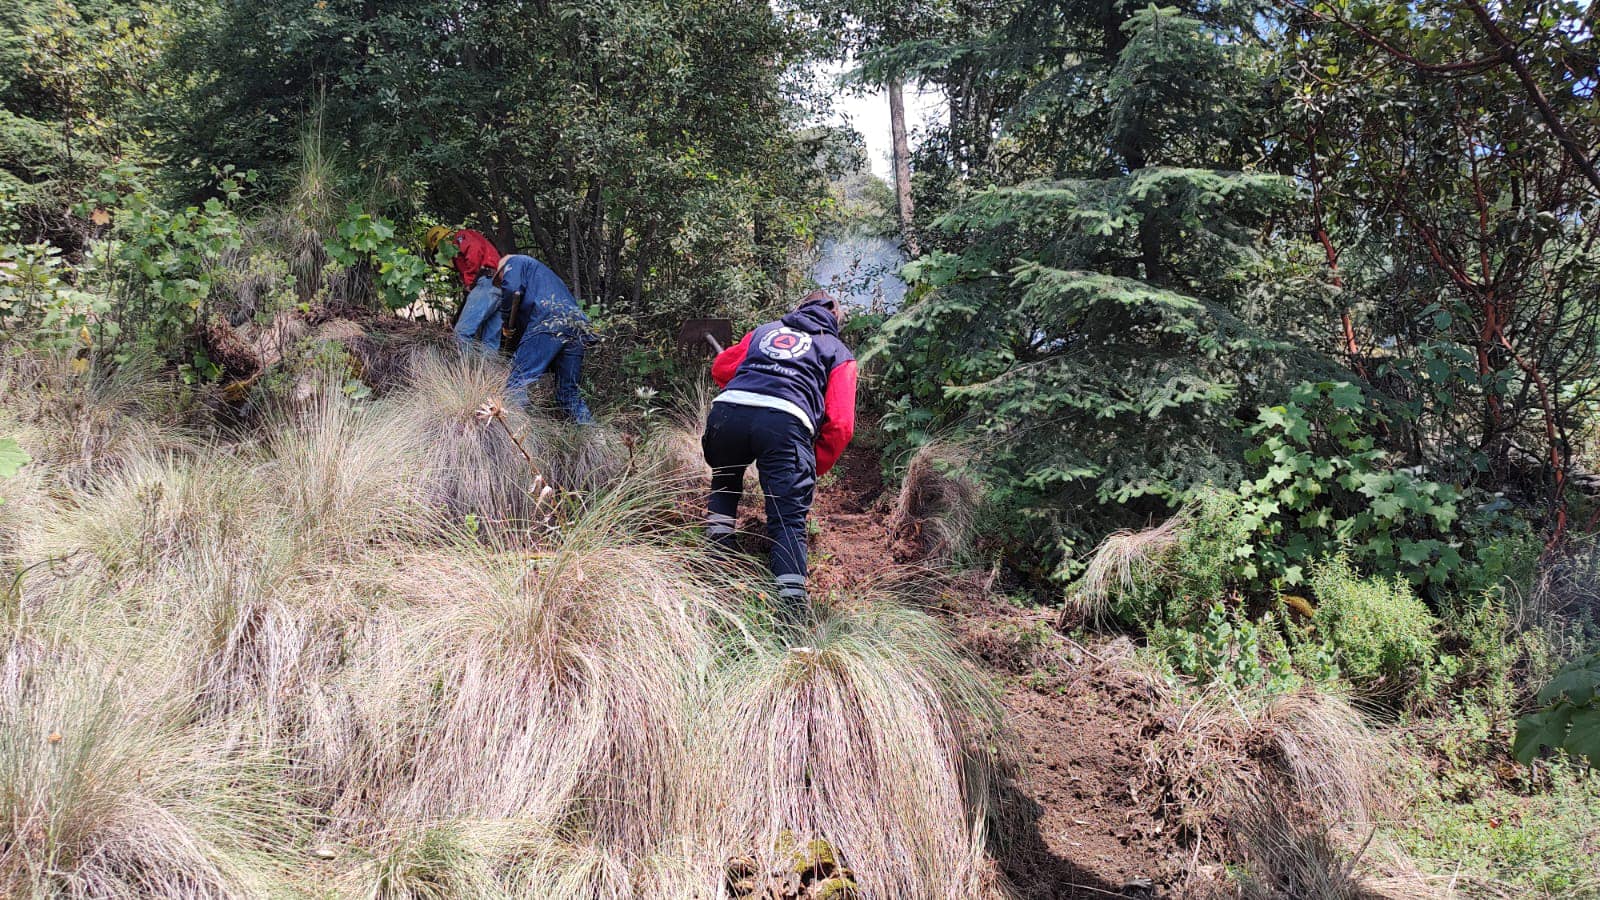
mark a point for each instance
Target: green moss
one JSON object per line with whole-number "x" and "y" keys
{"x": 837, "y": 888}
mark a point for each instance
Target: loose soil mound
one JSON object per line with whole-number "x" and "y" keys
{"x": 1083, "y": 825}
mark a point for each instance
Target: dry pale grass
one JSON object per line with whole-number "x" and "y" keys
{"x": 25, "y": 506}
{"x": 937, "y": 507}
{"x": 469, "y": 466}
{"x": 244, "y": 549}
{"x": 1284, "y": 855}
{"x": 473, "y": 465}
{"x": 1122, "y": 558}
{"x": 581, "y": 707}
{"x": 1239, "y": 771}
{"x": 81, "y": 425}
{"x": 109, "y": 792}
{"x": 872, "y": 736}
{"x": 544, "y": 683}
{"x": 672, "y": 446}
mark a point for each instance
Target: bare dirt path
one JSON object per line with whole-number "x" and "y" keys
{"x": 1082, "y": 827}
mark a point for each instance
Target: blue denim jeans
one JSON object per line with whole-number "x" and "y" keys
{"x": 480, "y": 317}
{"x": 540, "y": 352}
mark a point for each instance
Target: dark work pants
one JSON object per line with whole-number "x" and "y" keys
{"x": 781, "y": 447}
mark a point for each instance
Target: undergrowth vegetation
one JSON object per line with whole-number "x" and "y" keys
{"x": 1438, "y": 693}
{"x": 418, "y": 647}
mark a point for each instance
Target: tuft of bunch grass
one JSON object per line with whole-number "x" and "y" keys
{"x": 110, "y": 793}
{"x": 1121, "y": 559}
{"x": 867, "y": 732}
{"x": 88, "y": 422}
{"x": 471, "y": 465}
{"x": 1284, "y": 855}
{"x": 1237, "y": 768}
{"x": 449, "y": 860}
{"x": 245, "y": 550}
{"x": 544, "y": 682}
{"x": 672, "y": 446}
{"x": 937, "y": 507}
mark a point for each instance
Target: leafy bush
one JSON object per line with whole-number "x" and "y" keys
{"x": 1383, "y": 638}
{"x": 367, "y": 241}
{"x": 1324, "y": 485}
{"x": 1170, "y": 575}
{"x": 157, "y": 266}
{"x": 1183, "y": 586}
{"x": 1233, "y": 650}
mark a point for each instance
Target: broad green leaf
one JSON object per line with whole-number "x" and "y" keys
{"x": 12, "y": 457}
{"x": 1542, "y": 729}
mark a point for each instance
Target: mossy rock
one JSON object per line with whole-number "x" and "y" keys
{"x": 839, "y": 887}
{"x": 816, "y": 856}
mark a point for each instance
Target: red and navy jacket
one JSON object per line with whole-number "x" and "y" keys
{"x": 796, "y": 364}
{"x": 474, "y": 253}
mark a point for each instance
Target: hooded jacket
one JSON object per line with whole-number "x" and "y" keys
{"x": 798, "y": 365}
{"x": 474, "y": 254}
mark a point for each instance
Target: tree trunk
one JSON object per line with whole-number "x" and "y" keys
{"x": 902, "y": 165}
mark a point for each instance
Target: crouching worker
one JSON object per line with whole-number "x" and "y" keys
{"x": 541, "y": 319}
{"x": 478, "y": 319}
{"x": 788, "y": 405}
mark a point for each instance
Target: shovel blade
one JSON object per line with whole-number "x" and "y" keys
{"x": 692, "y": 336}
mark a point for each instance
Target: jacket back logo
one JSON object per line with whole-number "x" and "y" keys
{"x": 785, "y": 343}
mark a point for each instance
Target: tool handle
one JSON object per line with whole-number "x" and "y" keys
{"x": 713, "y": 342}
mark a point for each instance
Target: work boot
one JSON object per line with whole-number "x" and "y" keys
{"x": 720, "y": 532}
{"x": 793, "y": 601}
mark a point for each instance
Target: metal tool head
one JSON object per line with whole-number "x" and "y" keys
{"x": 705, "y": 335}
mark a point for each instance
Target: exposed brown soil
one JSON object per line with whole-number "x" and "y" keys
{"x": 1081, "y": 825}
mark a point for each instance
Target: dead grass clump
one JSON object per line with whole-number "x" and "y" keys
{"x": 1283, "y": 855}
{"x": 874, "y": 737}
{"x": 937, "y": 508}
{"x": 672, "y": 446}
{"x": 468, "y": 466}
{"x": 108, "y": 794}
{"x": 444, "y": 860}
{"x": 345, "y": 475}
{"x": 546, "y": 685}
{"x": 1122, "y": 558}
{"x": 159, "y": 519}
{"x": 1233, "y": 770}
{"x": 26, "y": 505}
{"x": 86, "y": 424}
{"x": 584, "y": 458}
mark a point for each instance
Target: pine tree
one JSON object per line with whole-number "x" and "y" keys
{"x": 1089, "y": 326}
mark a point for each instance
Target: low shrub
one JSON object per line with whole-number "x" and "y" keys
{"x": 1170, "y": 575}
{"x": 1384, "y": 639}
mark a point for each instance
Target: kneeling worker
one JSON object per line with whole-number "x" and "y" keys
{"x": 476, "y": 259}
{"x": 788, "y": 404}
{"x": 542, "y": 321}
